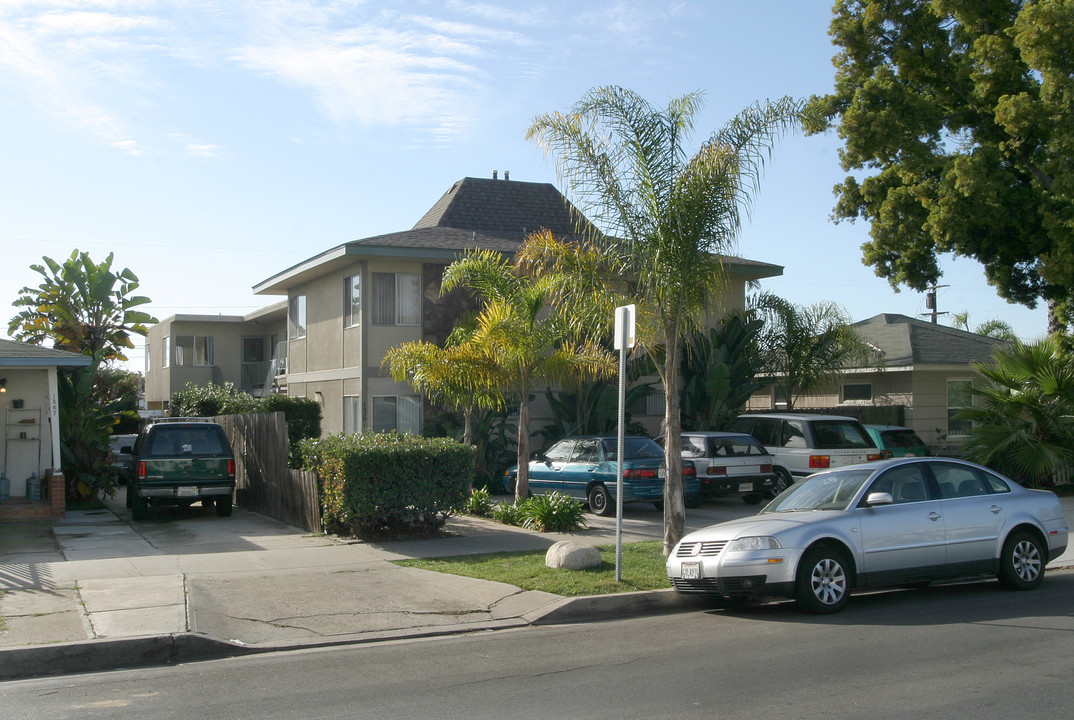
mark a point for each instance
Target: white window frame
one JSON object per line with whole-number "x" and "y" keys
{"x": 202, "y": 351}
{"x": 352, "y": 300}
{"x": 403, "y": 284}
{"x": 166, "y": 352}
{"x": 296, "y": 317}
{"x": 413, "y": 406}
{"x": 352, "y": 414}
{"x": 856, "y": 401}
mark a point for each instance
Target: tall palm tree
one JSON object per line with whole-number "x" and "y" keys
{"x": 1024, "y": 423}
{"x": 523, "y": 337}
{"x": 663, "y": 215}
{"x": 804, "y": 346}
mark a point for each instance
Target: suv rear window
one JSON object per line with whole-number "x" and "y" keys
{"x": 169, "y": 440}
{"x": 840, "y": 434}
{"x": 901, "y": 439}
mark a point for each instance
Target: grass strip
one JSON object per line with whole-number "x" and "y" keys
{"x": 643, "y": 569}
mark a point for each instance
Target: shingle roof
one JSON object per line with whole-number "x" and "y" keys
{"x": 908, "y": 341}
{"x": 14, "y": 353}
{"x": 500, "y": 207}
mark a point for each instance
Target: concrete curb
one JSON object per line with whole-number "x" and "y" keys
{"x": 157, "y": 650}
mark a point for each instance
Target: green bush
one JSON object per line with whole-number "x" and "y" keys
{"x": 506, "y": 513}
{"x": 554, "y": 512}
{"x": 479, "y": 503}
{"x": 382, "y": 484}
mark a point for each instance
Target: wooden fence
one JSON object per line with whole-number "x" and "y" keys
{"x": 264, "y": 483}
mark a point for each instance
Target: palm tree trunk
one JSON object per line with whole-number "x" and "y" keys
{"x": 522, "y": 480}
{"x": 674, "y": 510}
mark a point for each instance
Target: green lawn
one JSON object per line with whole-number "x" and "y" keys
{"x": 643, "y": 569}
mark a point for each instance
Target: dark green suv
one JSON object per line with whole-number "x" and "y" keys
{"x": 180, "y": 461}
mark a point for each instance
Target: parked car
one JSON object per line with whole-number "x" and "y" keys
{"x": 901, "y": 441}
{"x": 120, "y": 448}
{"x": 586, "y": 468}
{"x": 180, "y": 461}
{"x": 730, "y": 464}
{"x": 901, "y": 521}
{"x": 801, "y": 444}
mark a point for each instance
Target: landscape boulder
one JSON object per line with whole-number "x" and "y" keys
{"x": 572, "y": 556}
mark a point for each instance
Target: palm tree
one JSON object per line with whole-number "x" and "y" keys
{"x": 1024, "y": 424}
{"x": 664, "y": 216}
{"x": 526, "y": 340}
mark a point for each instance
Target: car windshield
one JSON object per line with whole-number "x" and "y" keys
{"x": 825, "y": 491}
{"x": 633, "y": 448}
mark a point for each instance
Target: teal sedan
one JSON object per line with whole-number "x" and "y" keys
{"x": 901, "y": 441}
{"x": 586, "y": 468}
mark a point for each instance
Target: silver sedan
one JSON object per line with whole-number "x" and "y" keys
{"x": 894, "y": 522}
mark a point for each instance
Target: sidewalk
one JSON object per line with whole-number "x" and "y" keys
{"x": 91, "y": 592}
{"x": 96, "y": 592}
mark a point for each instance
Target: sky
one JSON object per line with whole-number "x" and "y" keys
{"x": 210, "y": 144}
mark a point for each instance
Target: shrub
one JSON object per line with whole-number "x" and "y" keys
{"x": 554, "y": 512}
{"x": 378, "y": 484}
{"x": 506, "y": 513}
{"x": 479, "y": 503}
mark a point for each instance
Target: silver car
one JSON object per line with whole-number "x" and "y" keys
{"x": 892, "y": 522}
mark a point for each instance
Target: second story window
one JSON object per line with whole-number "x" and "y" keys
{"x": 396, "y": 299}
{"x": 352, "y": 301}
{"x": 296, "y": 317}
{"x": 194, "y": 350}
{"x": 166, "y": 353}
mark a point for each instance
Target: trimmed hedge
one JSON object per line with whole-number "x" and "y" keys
{"x": 378, "y": 484}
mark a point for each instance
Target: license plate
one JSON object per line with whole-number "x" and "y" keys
{"x": 691, "y": 571}
{"x": 662, "y": 472}
{"x": 187, "y": 492}
{"x": 745, "y": 487}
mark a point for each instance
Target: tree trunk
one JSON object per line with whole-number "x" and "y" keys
{"x": 522, "y": 480}
{"x": 674, "y": 510}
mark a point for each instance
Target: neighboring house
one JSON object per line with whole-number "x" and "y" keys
{"x": 348, "y": 305}
{"x": 922, "y": 380}
{"x": 202, "y": 349}
{"x": 29, "y": 398}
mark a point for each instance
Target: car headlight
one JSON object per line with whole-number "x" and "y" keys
{"x": 745, "y": 544}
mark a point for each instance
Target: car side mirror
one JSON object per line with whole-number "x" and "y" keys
{"x": 879, "y": 498}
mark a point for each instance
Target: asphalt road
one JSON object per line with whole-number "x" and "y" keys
{"x": 955, "y": 651}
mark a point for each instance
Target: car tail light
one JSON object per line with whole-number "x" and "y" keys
{"x": 717, "y": 470}
{"x": 766, "y": 468}
{"x": 820, "y": 461}
{"x": 639, "y": 473}
{"x": 231, "y": 469}
{"x": 689, "y": 470}
{"x": 141, "y": 470}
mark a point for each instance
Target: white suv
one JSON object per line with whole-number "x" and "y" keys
{"x": 801, "y": 444}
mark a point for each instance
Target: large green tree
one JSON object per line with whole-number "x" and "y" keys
{"x": 84, "y": 307}
{"x": 523, "y": 335}
{"x": 803, "y": 347}
{"x": 956, "y": 117}
{"x": 664, "y": 213}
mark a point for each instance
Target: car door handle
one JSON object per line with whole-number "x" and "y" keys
{"x": 934, "y": 516}
{"x": 996, "y": 509}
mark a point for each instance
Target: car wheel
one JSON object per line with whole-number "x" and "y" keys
{"x": 139, "y": 508}
{"x": 753, "y": 498}
{"x": 823, "y": 582}
{"x": 1021, "y": 566}
{"x": 223, "y": 506}
{"x": 599, "y": 501}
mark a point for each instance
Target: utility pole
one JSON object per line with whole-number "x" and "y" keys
{"x": 930, "y": 302}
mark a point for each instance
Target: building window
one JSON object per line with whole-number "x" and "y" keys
{"x": 352, "y": 300}
{"x": 779, "y": 396}
{"x": 959, "y": 397}
{"x": 352, "y": 414}
{"x": 296, "y": 317}
{"x": 166, "y": 353}
{"x": 402, "y": 414}
{"x": 396, "y": 299}
{"x": 654, "y": 403}
{"x": 194, "y": 350}
{"x": 857, "y": 392}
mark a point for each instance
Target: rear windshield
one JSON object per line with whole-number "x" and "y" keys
{"x": 171, "y": 441}
{"x": 901, "y": 439}
{"x": 633, "y": 447}
{"x": 840, "y": 434}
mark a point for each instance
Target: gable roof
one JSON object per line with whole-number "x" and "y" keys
{"x": 18, "y": 354}
{"x": 906, "y": 341}
{"x": 474, "y": 214}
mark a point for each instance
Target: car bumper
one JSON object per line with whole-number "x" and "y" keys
{"x": 185, "y": 492}
{"x": 731, "y": 486}
{"x": 734, "y": 574}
